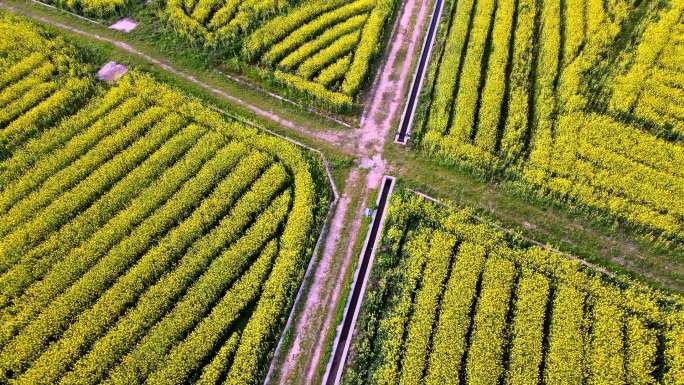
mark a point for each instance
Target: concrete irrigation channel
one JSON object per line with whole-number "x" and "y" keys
{"x": 345, "y": 330}
{"x": 418, "y": 78}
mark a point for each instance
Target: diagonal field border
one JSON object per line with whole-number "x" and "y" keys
{"x": 524, "y": 238}
{"x": 512, "y": 233}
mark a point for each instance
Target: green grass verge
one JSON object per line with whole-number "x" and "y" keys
{"x": 593, "y": 238}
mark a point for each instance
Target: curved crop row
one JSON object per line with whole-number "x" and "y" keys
{"x": 144, "y": 237}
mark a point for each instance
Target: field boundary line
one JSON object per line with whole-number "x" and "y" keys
{"x": 335, "y": 362}
{"x": 525, "y": 238}
{"x": 69, "y": 13}
{"x": 274, "y": 95}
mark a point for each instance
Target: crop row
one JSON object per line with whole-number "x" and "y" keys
{"x": 93, "y": 284}
{"x": 445, "y": 84}
{"x": 300, "y": 34}
{"x": 24, "y": 159}
{"x": 26, "y": 225}
{"x": 393, "y": 326}
{"x": 471, "y": 72}
{"x": 522, "y": 59}
{"x": 327, "y": 48}
{"x": 654, "y": 41}
{"x": 450, "y": 345}
{"x": 38, "y": 108}
{"x": 307, "y": 50}
{"x": 425, "y": 307}
{"x": 485, "y": 354}
{"x": 213, "y": 22}
{"x": 527, "y": 332}
{"x": 79, "y": 149}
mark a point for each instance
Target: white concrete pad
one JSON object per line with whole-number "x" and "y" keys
{"x": 111, "y": 71}
{"x": 125, "y": 25}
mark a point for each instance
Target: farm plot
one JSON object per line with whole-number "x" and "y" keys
{"x": 457, "y": 302}
{"x": 517, "y": 87}
{"x": 322, "y": 50}
{"x": 143, "y": 238}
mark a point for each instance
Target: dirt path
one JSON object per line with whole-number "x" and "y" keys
{"x": 385, "y": 103}
{"x": 328, "y": 276}
{"x": 388, "y": 96}
{"x": 332, "y": 137}
{"x": 335, "y": 292}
